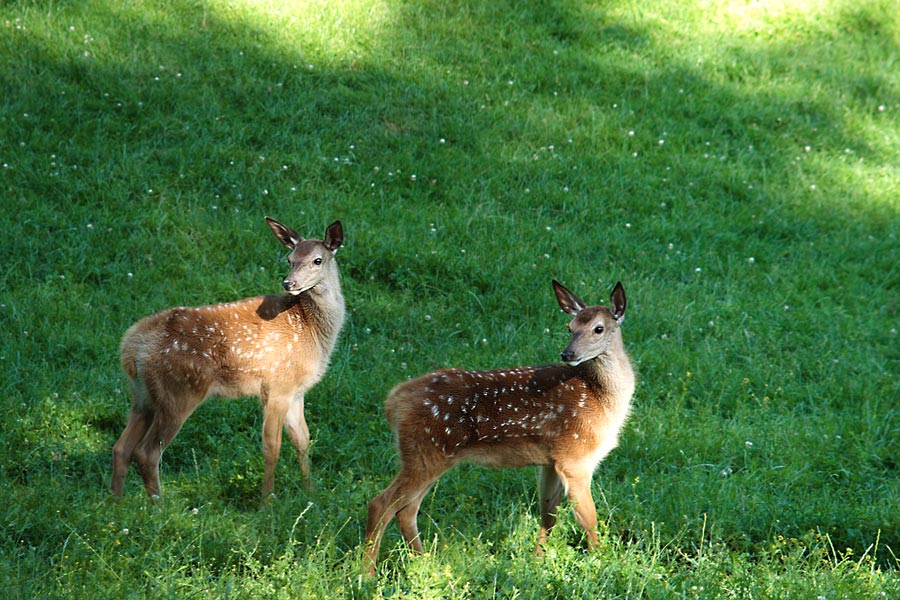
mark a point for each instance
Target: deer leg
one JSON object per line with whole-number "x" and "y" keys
{"x": 551, "y": 496}
{"x": 274, "y": 410}
{"x": 138, "y": 422}
{"x": 298, "y": 431}
{"x": 584, "y": 509}
{"x": 148, "y": 452}
{"x": 407, "y": 520}
{"x": 404, "y": 494}
{"x": 171, "y": 410}
{"x": 147, "y": 455}
{"x": 381, "y": 510}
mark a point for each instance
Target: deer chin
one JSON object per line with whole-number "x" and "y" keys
{"x": 299, "y": 291}
{"x": 575, "y": 363}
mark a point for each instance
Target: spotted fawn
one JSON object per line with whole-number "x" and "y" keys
{"x": 565, "y": 418}
{"x": 275, "y": 347}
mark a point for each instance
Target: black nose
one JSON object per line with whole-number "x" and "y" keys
{"x": 287, "y": 284}
{"x": 567, "y": 355}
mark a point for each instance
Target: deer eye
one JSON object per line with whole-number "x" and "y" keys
{"x": 598, "y": 329}
{"x": 318, "y": 261}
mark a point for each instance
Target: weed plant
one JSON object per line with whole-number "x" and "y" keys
{"x": 735, "y": 164}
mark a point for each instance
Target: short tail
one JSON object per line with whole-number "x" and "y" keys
{"x": 128, "y": 354}
{"x": 391, "y": 405}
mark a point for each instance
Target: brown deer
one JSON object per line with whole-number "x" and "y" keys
{"x": 275, "y": 347}
{"x": 565, "y": 418}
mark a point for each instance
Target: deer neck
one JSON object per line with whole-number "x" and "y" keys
{"x": 323, "y": 305}
{"x": 611, "y": 375}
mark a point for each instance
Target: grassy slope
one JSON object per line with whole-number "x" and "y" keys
{"x": 735, "y": 165}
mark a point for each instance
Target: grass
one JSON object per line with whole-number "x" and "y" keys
{"x": 735, "y": 164}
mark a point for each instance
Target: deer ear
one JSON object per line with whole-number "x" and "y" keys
{"x": 285, "y": 234}
{"x": 617, "y": 301}
{"x": 568, "y": 302}
{"x": 334, "y": 236}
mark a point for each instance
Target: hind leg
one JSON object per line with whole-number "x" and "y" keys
{"x": 404, "y": 495}
{"x": 138, "y": 422}
{"x": 163, "y": 428}
{"x": 407, "y": 520}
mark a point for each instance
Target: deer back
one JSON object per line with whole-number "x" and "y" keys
{"x": 278, "y": 342}
{"x": 529, "y": 415}
{"x": 501, "y": 418}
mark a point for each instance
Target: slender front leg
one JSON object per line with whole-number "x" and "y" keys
{"x": 585, "y": 511}
{"x": 274, "y": 409}
{"x": 551, "y": 497}
{"x": 298, "y": 431}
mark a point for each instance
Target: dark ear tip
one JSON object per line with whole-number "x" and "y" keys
{"x": 336, "y": 228}
{"x": 334, "y": 236}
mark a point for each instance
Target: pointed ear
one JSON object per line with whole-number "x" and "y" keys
{"x": 285, "y": 234}
{"x": 334, "y": 236}
{"x": 617, "y": 302}
{"x": 568, "y": 302}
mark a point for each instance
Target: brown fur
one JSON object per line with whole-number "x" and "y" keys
{"x": 561, "y": 417}
{"x": 275, "y": 347}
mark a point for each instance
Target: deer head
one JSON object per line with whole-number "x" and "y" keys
{"x": 593, "y": 328}
{"x": 310, "y": 260}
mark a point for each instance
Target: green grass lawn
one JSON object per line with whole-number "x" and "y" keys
{"x": 736, "y": 164}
